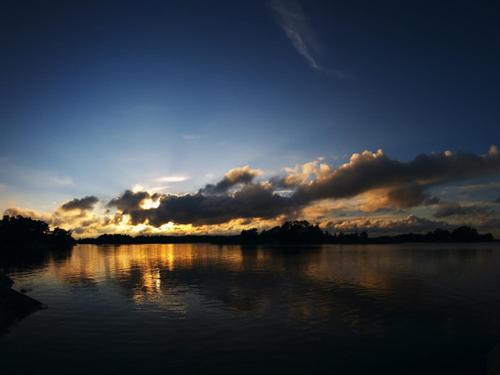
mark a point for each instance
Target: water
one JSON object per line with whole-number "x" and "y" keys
{"x": 413, "y": 308}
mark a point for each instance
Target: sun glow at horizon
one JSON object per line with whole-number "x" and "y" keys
{"x": 148, "y": 203}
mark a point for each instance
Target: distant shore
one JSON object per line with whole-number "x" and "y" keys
{"x": 235, "y": 240}
{"x": 19, "y": 233}
{"x": 298, "y": 232}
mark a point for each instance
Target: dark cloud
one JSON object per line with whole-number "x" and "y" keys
{"x": 411, "y": 195}
{"x": 242, "y": 175}
{"x": 253, "y": 200}
{"x": 387, "y": 226}
{"x": 237, "y": 195}
{"x": 83, "y": 204}
{"x": 368, "y": 171}
{"x": 488, "y": 223}
{"x": 455, "y": 209}
{"x": 130, "y": 200}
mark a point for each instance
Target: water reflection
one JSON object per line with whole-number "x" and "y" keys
{"x": 388, "y": 304}
{"x": 350, "y": 281}
{"x": 31, "y": 261}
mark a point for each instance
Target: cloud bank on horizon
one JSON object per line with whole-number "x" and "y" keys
{"x": 371, "y": 191}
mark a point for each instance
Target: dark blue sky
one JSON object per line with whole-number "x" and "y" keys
{"x": 98, "y": 96}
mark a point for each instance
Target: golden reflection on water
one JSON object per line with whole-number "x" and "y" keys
{"x": 143, "y": 269}
{"x": 245, "y": 277}
{"x": 355, "y": 284}
{"x": 185, "y": 296}
{"x": 366, "y": 272}
{"x": 232, "y": 276}
{"x": 145, "y": 265}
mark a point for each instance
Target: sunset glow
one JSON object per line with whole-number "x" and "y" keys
{"x": 162, "y": 132}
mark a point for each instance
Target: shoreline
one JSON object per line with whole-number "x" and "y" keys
{"x": 230, "y": 242}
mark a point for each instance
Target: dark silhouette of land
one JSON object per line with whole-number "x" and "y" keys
{"x": 14, "y": 305}
{"x": 298, "y": 232}
{"x": 32, "y": 234}
{"x": 29, "y": 234}
{"x": 22, "y": 237}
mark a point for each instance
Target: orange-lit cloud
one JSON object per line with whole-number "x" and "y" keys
{"x": 370, "y": 182}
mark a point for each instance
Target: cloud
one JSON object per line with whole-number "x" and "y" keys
{"x": 409, "y": 195}
{"x": 405, "y": 182}
{"x": 296, "y": 26}
{"x": 369, "y": 181}
{"x": 241, "y": 175}
{"x": 80, "y": 217}
{"x": 83, "y": 204}
{"x": 386, "y": 226}
{"x": 171, "y": 179}
{"x": 213, "y": 204}
{"x": 456, "y": 209}
{"x": 305, "y": 173}
{"x": 60, "y": 180}
{"x": 131, "y": 200}
{"x": 251, "y": 201}
{"x": 237, "y": 195}
{"x": 494, "y": 185}
{"x": 17, "y": 211}
{"x": 488, "y": 224}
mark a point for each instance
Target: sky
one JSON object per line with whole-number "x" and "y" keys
{"x": 212, "y": 116}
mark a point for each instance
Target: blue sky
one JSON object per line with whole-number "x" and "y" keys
{"x": 96, "y": 97}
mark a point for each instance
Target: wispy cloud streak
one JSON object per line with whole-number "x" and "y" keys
{"x": 171, "y": 179}
{"x": 296, "y": 26}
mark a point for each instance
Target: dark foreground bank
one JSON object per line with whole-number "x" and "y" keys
{"x": 14, "y": 305}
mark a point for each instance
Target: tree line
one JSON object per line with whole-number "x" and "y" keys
{"x": 304, "y": 232}
{"x": 20, "y": 231}
{"x": 23, "y": 231}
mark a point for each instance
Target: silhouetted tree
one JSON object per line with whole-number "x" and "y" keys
{"x": 249, "y": 235}
{"x": 296, "y": 232}
{"x": 293, "y": 232}
{"x": 440, "y": 235}
{"x": 465, "y": 234}
{"x": 24, "y": 231}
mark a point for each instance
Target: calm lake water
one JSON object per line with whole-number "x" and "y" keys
{"x": 413, "y": 308}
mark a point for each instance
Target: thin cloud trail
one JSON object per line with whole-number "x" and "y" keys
{"x": 296, "y": 26}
